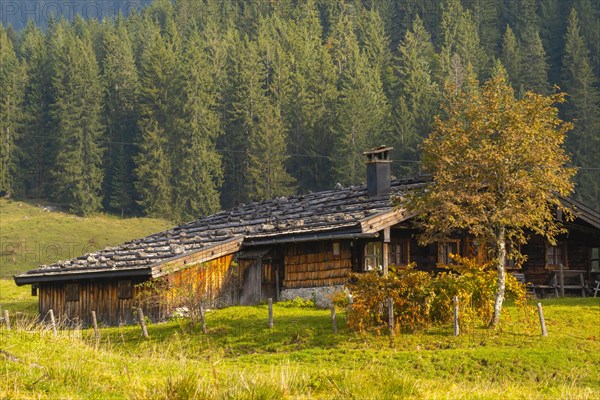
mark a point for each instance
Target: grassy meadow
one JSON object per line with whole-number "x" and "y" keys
{"x": 241, "y": 358}
{"x": 300, "y": 358}
{"x": 30, "y": 236}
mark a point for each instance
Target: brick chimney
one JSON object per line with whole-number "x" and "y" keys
{"x": 378, "y": 170}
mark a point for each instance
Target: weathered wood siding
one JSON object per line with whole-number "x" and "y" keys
{"x": 101, "y": 296}
{"x": 314, "y": 265}
{"x": 213, "y": 283}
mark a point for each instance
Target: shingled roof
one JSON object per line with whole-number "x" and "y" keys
{"x": 344, "y": 211}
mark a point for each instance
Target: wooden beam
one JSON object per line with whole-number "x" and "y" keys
{"x": 383, "y": 220}
{"x": 196, "y": 257}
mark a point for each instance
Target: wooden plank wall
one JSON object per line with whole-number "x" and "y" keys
{"x": 98, "y": 295}
{"x": 313, "y": 264}
{"x": 214, "y": 281}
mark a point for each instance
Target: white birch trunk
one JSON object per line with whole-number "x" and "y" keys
{"x": 501, "y": 266}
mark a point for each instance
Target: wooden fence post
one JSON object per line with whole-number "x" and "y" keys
{"x": 391, "y": 315}
{"x": 53, "y": 322}
{"x": 270, "y": 312}
{"x": 95, "y": 322}
{"x": 7, "y": 319}
{"x": 277, "y": 283}
{"x": 456, "y": 326}
{"x": 202, "y": 318}
{"x": 142, "y": 322}
{"x": 561, "y": 279}
{"x": 542, "y": 320}
{"x": 333, "y": 319}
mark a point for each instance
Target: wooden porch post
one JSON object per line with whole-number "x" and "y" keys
{"x": 386, "y": 250}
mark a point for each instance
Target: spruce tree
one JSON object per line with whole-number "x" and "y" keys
{"x": 552, "y": 31}
{"x": 459, "y": 36}
{"x": 375, "y": 44}
{"x": 121, "y": 91}
{"x": 589, "y": 15}
{"x": 511, "y": 58}
{"x": 583, "y": 108}
{"x": 198, "y": 174}
{"x": 363, "y": 119}
{"x": 36, "y": 144}
{"x": 534, "y": 68}
{"x": 234, "y": 141}
{"x": 76, "y": 116}
{"x": 158, "y": 110}
{"x": 12, "y": 80}
{"x": 313, "y": 90}
{"x": 416, "y": 92}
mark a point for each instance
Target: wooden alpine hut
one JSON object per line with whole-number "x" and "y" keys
{"x": 305, "y": 245}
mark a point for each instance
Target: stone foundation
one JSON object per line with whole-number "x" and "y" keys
{"x": 320, "y": 295}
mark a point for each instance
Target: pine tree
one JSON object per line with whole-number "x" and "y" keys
{"x": 76, "y": 115}
{"x": 121, "y": 89}
{"x": 511, "y": 58}
{"x": 198, "y": 174}
{"x": 12, "y": 80}
{"x": 583, "y": 108}
{"x": 534, "y": 68}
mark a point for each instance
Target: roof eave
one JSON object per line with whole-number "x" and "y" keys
{"x": 56, "y": 276}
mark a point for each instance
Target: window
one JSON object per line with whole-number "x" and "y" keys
{"x": 72, "y": 292}
{"x": 555, "y": 255}
{"x": 445, "y": 249}
{"x": 400, "y": 252}
{"x": 595, "y": 261}
{"x": 125, "y": 291}
{"x": 336, "y": 249}
{"x": 372, "y": 256}
{"x": 510, "y": 260}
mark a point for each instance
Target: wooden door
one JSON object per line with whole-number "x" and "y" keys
{"x": 252, "y": 285}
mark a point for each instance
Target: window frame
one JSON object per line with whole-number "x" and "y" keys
{"x": 561, "y": 258}
{"x": 443, "y": 245}
{"x": 124, "y": 290}
{"x": 376, "y": 255}
{"x": 72, "y": 291}
{"x": 402, "y": 257}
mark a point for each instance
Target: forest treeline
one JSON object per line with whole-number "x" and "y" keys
{"x": 190, "y": 106}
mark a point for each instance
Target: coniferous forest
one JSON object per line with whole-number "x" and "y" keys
{"x": 189, "y": 106}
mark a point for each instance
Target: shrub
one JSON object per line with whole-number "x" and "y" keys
{"x": 421, "y": 298}
{"x": 411, "y": 293}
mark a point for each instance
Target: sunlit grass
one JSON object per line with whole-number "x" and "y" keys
{"x": 240, "y": 357}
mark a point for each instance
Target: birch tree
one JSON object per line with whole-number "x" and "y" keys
{"x": 499, "y": 168}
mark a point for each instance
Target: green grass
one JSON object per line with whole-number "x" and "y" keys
{"x": 241, "y": 358}
{"x": 30, "y": 236}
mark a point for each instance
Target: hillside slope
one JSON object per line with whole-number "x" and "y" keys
{"x": 30, "y": 235}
